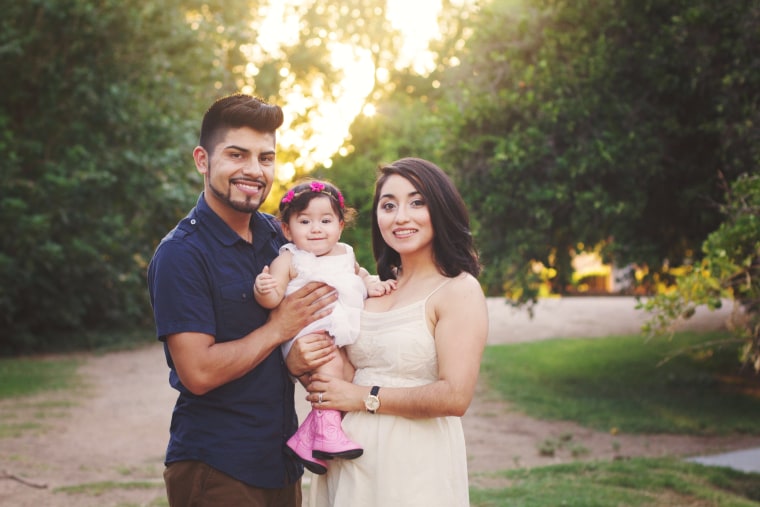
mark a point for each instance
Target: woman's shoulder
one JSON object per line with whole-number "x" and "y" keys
{"x": 461, "y": 288}
{"x": 464, "y": 280}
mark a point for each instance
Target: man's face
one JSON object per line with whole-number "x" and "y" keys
{"x": 239, "y": 172}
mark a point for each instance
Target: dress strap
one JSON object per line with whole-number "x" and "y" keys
{"x": 437, "y": 288}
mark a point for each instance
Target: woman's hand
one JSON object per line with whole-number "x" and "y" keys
{"x": 335, "y": 394}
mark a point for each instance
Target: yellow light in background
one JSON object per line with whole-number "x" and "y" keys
{"x": 417, "y": 21}
{"x": 369, "y": 110}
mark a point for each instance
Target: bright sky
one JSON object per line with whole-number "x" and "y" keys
{"x": 417, "y": 20}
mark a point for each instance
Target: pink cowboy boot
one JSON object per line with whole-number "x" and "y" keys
{"x": 300, "y": 446}
{"x": 329, "y": 440}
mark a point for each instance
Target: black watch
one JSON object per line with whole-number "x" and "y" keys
{"x": 372, "y": 403}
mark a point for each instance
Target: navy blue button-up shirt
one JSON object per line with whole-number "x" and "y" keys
{"x": 201, "y": 280}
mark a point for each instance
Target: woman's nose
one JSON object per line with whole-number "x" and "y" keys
{"x": 401, "y": 215}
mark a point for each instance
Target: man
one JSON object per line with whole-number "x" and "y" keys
{"x": 235, "y": 409}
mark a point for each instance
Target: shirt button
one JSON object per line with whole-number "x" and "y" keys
{"x": 192, "y": 221}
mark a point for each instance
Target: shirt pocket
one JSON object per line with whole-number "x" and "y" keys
{"x": 239, "y": 312}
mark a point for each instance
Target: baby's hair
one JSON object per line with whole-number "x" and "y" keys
{"x": 298, "y": 197}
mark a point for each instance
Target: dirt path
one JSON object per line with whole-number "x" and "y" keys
{"x": 117, "y": 428}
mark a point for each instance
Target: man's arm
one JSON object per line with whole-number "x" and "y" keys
{"x": 203, "y": 365}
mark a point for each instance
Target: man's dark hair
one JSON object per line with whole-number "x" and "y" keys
{"x": 236, "y": 111}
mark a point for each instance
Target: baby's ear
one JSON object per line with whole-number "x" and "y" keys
{"x": 286, "y": 231}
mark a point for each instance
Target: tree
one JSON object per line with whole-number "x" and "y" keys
{"x": 99, "y": 110}
{"x": 576, "y": 129}
{"x": 730, "y": 269}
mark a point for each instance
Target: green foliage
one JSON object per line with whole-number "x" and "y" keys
{"x": 640, "y": 481}
{"x": 617, "y": 383}
{"x": 402, "y": 127}
{"x": 94, "y": 134}
{"x": 730, "y": 269}
{"x": 575, "y": 128}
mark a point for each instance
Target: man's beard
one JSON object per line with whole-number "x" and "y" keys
{"x": 249, "y": 205}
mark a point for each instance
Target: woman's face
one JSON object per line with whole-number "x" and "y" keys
{"x": 403, "y": 216}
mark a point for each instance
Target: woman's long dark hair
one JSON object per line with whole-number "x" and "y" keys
{"x": 453, "y": 247}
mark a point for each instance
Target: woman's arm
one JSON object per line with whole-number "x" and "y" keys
{"x": 461, "y": 328}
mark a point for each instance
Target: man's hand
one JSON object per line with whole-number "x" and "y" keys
{"x": 309, "y": 352}
{"x": 306, "y": 305}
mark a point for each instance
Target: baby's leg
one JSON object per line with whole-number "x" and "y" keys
{"x": 339, "y": 367}
{"x": 329, "y": 440}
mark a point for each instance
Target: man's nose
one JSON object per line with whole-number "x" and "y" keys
{"x": 253, "y": 167}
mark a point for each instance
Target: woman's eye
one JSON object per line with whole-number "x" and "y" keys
{"x": 417, "y": 203}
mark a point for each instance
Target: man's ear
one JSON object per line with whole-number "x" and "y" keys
{"x": 200, "y": 155}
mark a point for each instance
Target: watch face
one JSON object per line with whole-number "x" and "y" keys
{"x": 372, "y": 403}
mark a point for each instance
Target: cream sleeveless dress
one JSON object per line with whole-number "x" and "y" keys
{"x": 406, "y": 462}
{"x": 338, "y": 271}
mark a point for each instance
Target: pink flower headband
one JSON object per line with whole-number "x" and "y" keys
{"x": 314, "y": 186}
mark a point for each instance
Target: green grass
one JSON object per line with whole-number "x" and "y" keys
{"x": 103, "y": 487}
{"x": 24, "y": 376}
{"x": 616, "y": 383}
{"x": 638, "y": 482}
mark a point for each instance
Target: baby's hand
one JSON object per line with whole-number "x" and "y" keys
{"x": 264, "y": 282}
{"x": 377, "y": 288}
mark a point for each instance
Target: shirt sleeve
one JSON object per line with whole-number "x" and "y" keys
{"x": 181, "y": 291}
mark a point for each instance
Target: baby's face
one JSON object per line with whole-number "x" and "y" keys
{"x": 316, "y": 229}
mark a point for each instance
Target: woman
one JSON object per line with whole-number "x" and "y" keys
{"x": 418, "y": 352}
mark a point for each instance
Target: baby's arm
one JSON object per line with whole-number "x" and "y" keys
{"x": 375, "y": 287}
{"x": 269, "y": 287}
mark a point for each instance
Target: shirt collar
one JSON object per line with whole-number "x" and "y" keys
{"x": 263, "y": 230}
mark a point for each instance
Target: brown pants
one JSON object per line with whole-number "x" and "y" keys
{"x": 195, "y": 484}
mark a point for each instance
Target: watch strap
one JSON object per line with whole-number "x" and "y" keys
{"x": 373, "y": 394}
